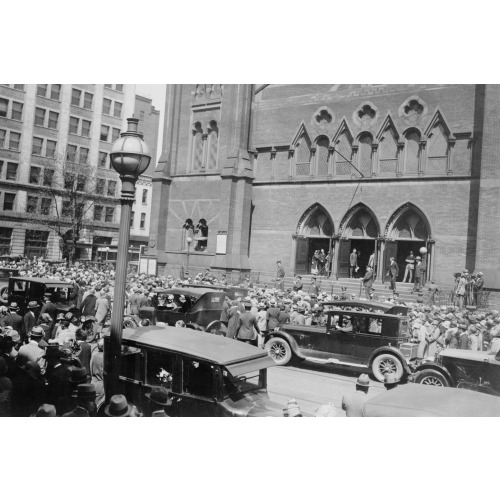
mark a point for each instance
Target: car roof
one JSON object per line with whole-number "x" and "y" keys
{"x": 193, "y": 292}
{"x": 367, "y": 304}
{"x": 45, "y": 281}
{"x": 418, "y": 400}
{"x": 201, "y": 345}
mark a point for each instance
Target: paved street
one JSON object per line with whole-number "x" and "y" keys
{"x": 313, "y": 385}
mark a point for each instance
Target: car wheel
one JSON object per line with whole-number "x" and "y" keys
{"x": 431, "y": 377}
{"x": 387, "y": 363}
{"x": 280, "y": 350}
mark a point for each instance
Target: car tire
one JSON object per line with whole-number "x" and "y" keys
{"x": 279, "y": 350}
{"x": 387, "y": 363}
{"x": 431, "y": 377}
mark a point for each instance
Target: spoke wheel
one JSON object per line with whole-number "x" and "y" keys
{"x": 387, "y": 363}
{"x": 431, "y": 377}
{"x": 280, "y": 350}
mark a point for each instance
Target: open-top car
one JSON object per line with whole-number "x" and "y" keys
{"x": 206, "y": 375}
{"x": 412, "y": 400}
{"x": 199, "y": 308}
{"x": 24, "y": 290}
{"x": 353, "y": 336}
{"x": 476, "y": 370}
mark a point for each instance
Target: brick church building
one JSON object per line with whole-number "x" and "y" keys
{"x": 279, "y": 171}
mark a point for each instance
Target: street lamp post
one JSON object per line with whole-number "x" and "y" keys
{"x": 189, "y": 241}
{"x": 130, "y": 157}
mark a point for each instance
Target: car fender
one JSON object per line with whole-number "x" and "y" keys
{"x": 286, "y": 336}
{"x": 195, "y": 326}
{"x": 390, "y": 350}
{"x": 432, "y": 365}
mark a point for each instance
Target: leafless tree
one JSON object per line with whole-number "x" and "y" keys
{"x": 68, "y": 190}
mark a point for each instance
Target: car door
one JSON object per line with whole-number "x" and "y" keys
{"x": 368, "y": 337}
{"x": 339, "y": 336}
{"x": 196, "y": 391}
{"x": 131, "y": 376}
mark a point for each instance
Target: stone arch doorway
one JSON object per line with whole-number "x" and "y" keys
{"x": 315, "y": 231}
{"x": 408, "y": 230}
{"x": 359, "y": 231}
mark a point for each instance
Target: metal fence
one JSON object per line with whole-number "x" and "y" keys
{"x": 479, "y": 300}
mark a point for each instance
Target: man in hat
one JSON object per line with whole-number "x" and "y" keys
{"x": 49, "y": 307}
{"x": 313, "y": 288}
{"x": 45, "y": 410}
{"x": 29, "y": 319}
{"x": 119, "y": 407}
{"x": 367, "y": 281}
{"x": 58, "y": 377}
{"x": 352, "y": 403}
{"x": 31, "y": 351}
{"x": 88, "y": 304}
{"x": 102, "y": 307}
{"x": 297, "y": 284}
{"x": 273, "y": 315}
{"x": 85, "y": 402}
{"x": 225, "y": 309}
{"x": 159, "y": 401}
{"x": 13, "y": 319}
{"x": 390, "y": 381}
{"x": 353, "y": 262}
{"x": 418, "y": 274}
{"x": 410, "y": 262}
{"x": 393, "y": 272}
{"x": 280, "y": 276}
{"x": 134, "y": 302}
{"x": 247, "y": 328}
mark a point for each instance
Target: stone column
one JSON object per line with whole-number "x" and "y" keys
{"x": 236, "y": 176}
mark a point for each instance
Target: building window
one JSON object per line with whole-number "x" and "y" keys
{"x": 213, "y": 145}
{"x": 108, "y": 86}
{"x": 322, "y": 145}
{"x": 388, "y": 152}
{"x": 19, "y": 86}
{"x": 116, "y": 134}
{"x": 197, "y": 146}
{"x": 17, "y": 110}
{"x": 438, "y": 149}
{"x": 98, "y": 212}
{"x": 119, "y": 87}
{"x": 81, "y": 182}
{"x": 117, "y": 111}
{"x": 87, "y": 100}
{"x": 3, "y": 135}
{"x": 4, "y": 107}
{"x": 11, "y": 171}
{"x": 69, "y": 181}
{"x": 143, "y": 221}
{"x": 32, "y": 204}
{"x": 144, "y": 196}
{"x": 8, "y": 201}
{"x": 53, "y": 119}
{"x": 99, "y": 187}
{"x": 66, "y": 208}
{"x": 104, "y": 133}
{"x": 412, "y": 148}
{"x": 73, "y": 125}
{"x": 48, "y": 176}
{"x": 14, "y": 141}
{"x": 71, "y": 152}
{"x": 106, "y": 106}
{"x": 84, "y": 155}
{"x": 35, "y": 175}
{"x": 75, "y": 97}
{"x": 36, "y": 243}
{"x": 41, "y": 90}
{"x": 132, "y": 218}
{"x": 50, "y": 150}
{"x": 37, "y": 146}
{"x": 86, "y": 128}
{"x": 110, "y": 212}
{"x": 303, "y": 156}
{"x": 111, "y": 188}
{"x": 55, "y": 91}
{"x": 5, "y": 240}
{"x": 365, "y": 154}
{"x": 46, "y": 206}
{"x": 103, "y": 158}
{"x": 40, "y": 117}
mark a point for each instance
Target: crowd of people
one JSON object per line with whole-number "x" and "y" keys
{"x": 48, "y": 367}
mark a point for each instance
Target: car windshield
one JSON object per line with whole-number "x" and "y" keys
{"x": 248, "y": 382}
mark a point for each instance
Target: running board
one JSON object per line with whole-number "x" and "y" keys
{"x": 333, "y": 361}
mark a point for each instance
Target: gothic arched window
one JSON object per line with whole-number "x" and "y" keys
{"x": 303, "y": 156}
{"x": 322, "y": 145}
{"x": 438, "y": 148}
{"x": 412, "y": 151}
{"x": 213, "y": 145}
{"x": 388, "y": 152}
{"x": 365, "y": 154}
{"x": 197, "y": 146}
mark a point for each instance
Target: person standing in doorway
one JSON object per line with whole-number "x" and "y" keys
{"x": 322, "y": 262}
{"x": 418, "y": 274}
{"x": 393, "y": 272}
{"x": 410, "y": 263}
{"x": 353, "y": 262}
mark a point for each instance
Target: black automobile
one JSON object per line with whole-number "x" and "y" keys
{"x": 368, "y": 336}
{"x": 24, "y": 290}
{"x": 199, "y": 308}
{"x": 206, "y": 375}
{"x": 476, "y": 370}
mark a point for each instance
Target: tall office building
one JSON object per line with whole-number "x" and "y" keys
{"x": 41, "y": 122}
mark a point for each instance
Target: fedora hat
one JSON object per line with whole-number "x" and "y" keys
{"x": 53, "y": 352}
{"x": 37, "y": 331}
{"x": 118, "y": 407}
{"x": 45, "y": 410}
{"x": 78, "y": 375}
{"x": 14, "y": 306}
{"x": 363, "y": 380}
{"x": 390, "y": 379}
{"x": 159, "y": 395}
{"x": 85, "y": 391}
{"x": 33, "y": 304}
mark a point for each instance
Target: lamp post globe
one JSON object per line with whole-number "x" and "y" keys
{"x": 130, "y": 157}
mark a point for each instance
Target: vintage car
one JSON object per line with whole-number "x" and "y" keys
{"x": 24, "y": 290}
{"x": 201, "y": 309}
{"x": 476, "y": 370}
{"x": 354, "y": 336}
{"x": 412, "y": 400}
{"x": 206, "y": 375}
{"x": 5, "y": 274}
